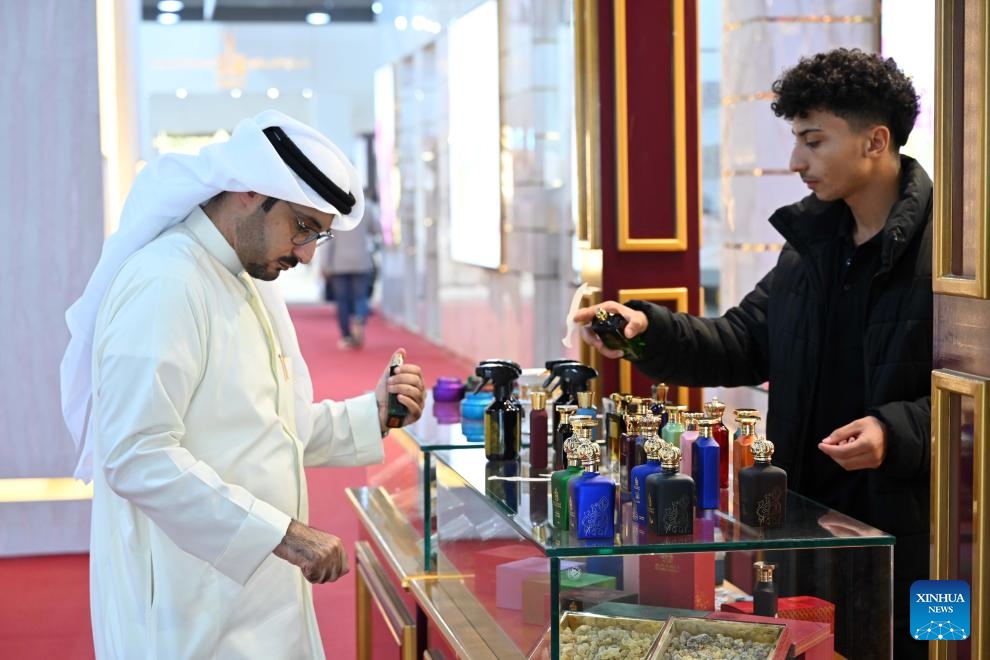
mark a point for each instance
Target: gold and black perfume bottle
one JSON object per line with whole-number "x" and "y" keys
{"x": 764, "y": 591}
{"x": 670, "y": 495}
{"x": 762, "y": 488}
{"x": 610, "y": 328}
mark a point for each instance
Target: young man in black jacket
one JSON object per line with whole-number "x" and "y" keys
{"x": 842, "y": 326}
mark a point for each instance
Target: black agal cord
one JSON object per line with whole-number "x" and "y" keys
{"x": 308, "y": 172}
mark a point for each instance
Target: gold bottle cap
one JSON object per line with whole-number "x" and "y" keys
{"x": 746, "y": 412}
{"x": 565, "y": 410}
{"x": 670, "y": 456}
{"x": 764, "y": 571}
{"x": 584, "y": 399}
{"x": 762, "y": 449}
{"x": 652, "y": 446}
{"x": 589, "y": 454}
{"x": 538, "y": 399}
{"x": 715, "y": 408}
{"x": 648, "y": 424}
{"x": 581, "y": 422}
{"x": 601, "y": 314}
{"x": 748, "y": 423}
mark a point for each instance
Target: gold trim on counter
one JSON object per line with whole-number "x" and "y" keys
{"x": 947, "y": 387}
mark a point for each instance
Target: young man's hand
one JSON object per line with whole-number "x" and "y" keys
{"x": 636, "y": 324}
{"x": 859, "y": 445}
{"x": 319, "y": 555}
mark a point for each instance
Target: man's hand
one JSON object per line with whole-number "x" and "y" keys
{"x": 636, "y": 323}
{"x": 407, "y": 382}
{"x": 859, "y": 445}
{"x": 319, "y": 555}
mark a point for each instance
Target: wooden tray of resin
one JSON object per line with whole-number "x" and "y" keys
{"x": 690, "y": 638}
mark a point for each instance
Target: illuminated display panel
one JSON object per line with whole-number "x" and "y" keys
{"x": 475, "y": 196}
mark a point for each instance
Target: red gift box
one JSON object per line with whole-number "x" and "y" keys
{"x": 802, "y": 608}
{"x": 684, "y": 580}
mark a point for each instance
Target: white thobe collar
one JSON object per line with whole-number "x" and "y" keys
{"x": 203, "y": 229}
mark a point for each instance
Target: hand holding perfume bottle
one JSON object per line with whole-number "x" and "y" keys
{"x": 610, "y": 328}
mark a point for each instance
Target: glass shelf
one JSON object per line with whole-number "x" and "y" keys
{"x": 438, "y": 429}
{"x": 493, "y": 522}
{"x": 808, "y": 524}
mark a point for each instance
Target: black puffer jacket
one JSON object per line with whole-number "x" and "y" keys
{"x": 775, "y": 334}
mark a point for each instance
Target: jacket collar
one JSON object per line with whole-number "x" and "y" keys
{"x": 811, "y": 221}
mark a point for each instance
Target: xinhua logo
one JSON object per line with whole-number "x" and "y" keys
{"x": 940, "y": 609}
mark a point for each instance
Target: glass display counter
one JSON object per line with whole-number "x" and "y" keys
{"x": 408, "y": 474}
{"x": 494, "y": 533}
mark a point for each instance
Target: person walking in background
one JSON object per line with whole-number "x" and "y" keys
{"x": 184, "y": 384}
{"x": 348, "y": 265}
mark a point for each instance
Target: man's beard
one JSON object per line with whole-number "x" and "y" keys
{"x": 262, "y": 272}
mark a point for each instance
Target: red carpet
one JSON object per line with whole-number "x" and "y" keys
{"x": 44, "y": 601}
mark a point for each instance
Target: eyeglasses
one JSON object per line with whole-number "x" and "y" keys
{"x": 304, "y": 233}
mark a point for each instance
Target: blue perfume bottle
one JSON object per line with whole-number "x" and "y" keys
{"x": 648, "y": 426}
{"x": 705, "y": 465}
{"x": 627, "y": 445}
{"x": 640, "y": 474}
{"x": 670, "y": 496}
{"x": 592, "y": 506}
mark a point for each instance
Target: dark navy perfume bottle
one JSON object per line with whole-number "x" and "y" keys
{"x": 670, "y": 496}
{"x": 762, "y": 488}
{"x": 592, "y": 506}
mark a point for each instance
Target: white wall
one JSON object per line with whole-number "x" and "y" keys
{"x": 52, "y": 219}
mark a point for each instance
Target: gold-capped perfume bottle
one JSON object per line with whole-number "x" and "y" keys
{"x": 670, "y": 496}
{"x": 764, "y": 591}
{"x": 610, "y": 328}
{"x": 762, "y": 488}
{"x": 640, "y": 473}
{"x": 715, "y": 409}
{"x": 592, "y": 497}
{"x": 627, "y": 444}
{"x": 559, "y": 480}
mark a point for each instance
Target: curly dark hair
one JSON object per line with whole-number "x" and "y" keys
{"x": 862, "y": 88}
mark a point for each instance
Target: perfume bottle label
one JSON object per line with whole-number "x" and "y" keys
{"x": 770, "y": 507}
{"x": 677, "y": 516}
{"x": 594, "y": 519}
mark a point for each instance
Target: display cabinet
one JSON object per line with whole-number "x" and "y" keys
{"x": 408, "y": 474}
{"x": 519, "y": 574}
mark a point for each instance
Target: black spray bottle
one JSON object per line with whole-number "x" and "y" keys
{"x": 573, "y": 377}
{"x": 503, "y": 416}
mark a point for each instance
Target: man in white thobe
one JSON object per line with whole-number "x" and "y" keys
{"x": 201, "y": 417}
